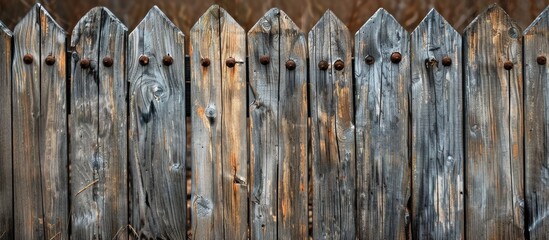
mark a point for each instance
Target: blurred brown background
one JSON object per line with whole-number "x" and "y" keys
{"x": 354, "y": 13}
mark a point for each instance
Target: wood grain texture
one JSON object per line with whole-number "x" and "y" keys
{"x": 536, "y": 123}
{"x": 493, "y": 127}
{"x": 332, "y": 131}
{"x": 6, "y": 167}
{"x": 220, "y": 170}
{"x": 437, "y": 135}
{"x": 381, "y": 100}
{"x": 39, "y": 114}
{"x": 98, "y": 132}
{"x": 157, "y": 129}
{"x": 278, "y": 207}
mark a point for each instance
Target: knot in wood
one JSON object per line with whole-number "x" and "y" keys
{"x": 508, "y": 65}
{"x": 230, "y": 62}
{"x": 542, "y": 60}
{"x": 144, "y": 60}
{"x": 107, "y": 61}
{"x": 369, "y": 60}
{"x": 264, "y": 59}
{"x": 205, "y": 62}
{"x": 27, "y": 59}
{"x": 396, "y": 57}
{"x": 85, "y": 63}
{"x": 339, "y": 65}
{"x": 50, "y": 60}
{"x": 167, "y": 60}
{"x": 446, "y": 61}
{"x": 323, "y": 65}
{"x": 290, "y": 65}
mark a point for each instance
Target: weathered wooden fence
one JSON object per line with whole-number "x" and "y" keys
{"x": 428, "y": 135}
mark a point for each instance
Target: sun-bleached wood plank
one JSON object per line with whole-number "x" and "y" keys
{"x": 6, "y": 167}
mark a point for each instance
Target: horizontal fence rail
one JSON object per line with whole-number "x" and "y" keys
{"x": 274, "y": 133}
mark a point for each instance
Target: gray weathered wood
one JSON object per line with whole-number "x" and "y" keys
{"x": 39, "y": 115}
{"x": 382, "y": 121}
{"x": 220, "y": 171}
{"x": 536, "y": 77}
{"x": 437, "y": 134}
{"x": 98, "y": 132}
{"x": 278, "y": 129}
{"x": 493, "y": 127}
{"x": 6, "y": 188}
{"x": 332, "y": 131}
{"x": 157, "y": 131}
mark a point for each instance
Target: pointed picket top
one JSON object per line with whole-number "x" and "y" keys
{"x": 433, "y": 17}
{"x": 285, "y": 20}
{"x": 156, "y": 16}
{"x": 49, "y": 18}
{"x": 35, "y": 13}
{"x": 266, "y": 22}
{"x": 28, "y": 20}
{"x": 382, "y": 16}
{"x": 331, "y": 18}
{"x": 541, "y": 21}
{"x": 95, "y": 15}
{"x": 494, "y": 12}
{"x": 5, "y": 30}
{"x": 210, "y": 17}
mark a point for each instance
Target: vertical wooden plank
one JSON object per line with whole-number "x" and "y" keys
{"x": 6, "y": 167}
{"x": 293, "y": 139}
{"x": 264, "y": 41}
{"x": 219, "y": 108}
{"x": 234, "y": 145}
{"x": 536, "y": 75}
{"x": 494, "y": 127}
{"x": 278, "y": 129}
{"x": 206, "y": 201}
{"x": 381, "y": 100}
{"x": 157, "y": 130}
{"x": 39, "y": 111}
{"x": 437, "y": 139}
{"x": 332, "y": 130}
{"x": 98, "y": 128}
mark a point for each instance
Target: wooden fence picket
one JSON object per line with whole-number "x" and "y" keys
{"x": 332, "y": 129}
{"x": 493, "y": 127}
{"x": 98, "y": 128}
{"x": 279, "y": 147}
{"x": 437, "y": 135}
{"x": 219, "y": 205}
{"x": 6, "y": 167}
{"x": 157, "y": 132}
{"x": 39, "y": 117}
{"x": 536, "y": 114}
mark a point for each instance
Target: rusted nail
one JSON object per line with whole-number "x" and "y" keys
{"x": 290, "y": 64}
{"x": 264, "y": 59}
{"x": 370, "y": 60}
{"x": 446, "y": 61}
{"x": 85, "y": 63}
{"x": 230, "y": 62}
{"x": 107, "y": 61}
{"x": 167, "y": 60}
{"x": 339, "y": 65}
{"x": 323, "y": 65}
{"x": 50, "y": 60}
{"x": 205, "y": 62}
{"x": 27, "y": 59}
{"x": 396, "y": 57}
{"x": 144, "y": 60}
{"x": 508, "y": 65}
{"x": 542, "y": 60}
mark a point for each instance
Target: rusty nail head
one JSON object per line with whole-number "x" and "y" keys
{"x": 144, "y": 60}
{"x": 508, "y": 65}
{"x": 230, "y": 62}
{"x": 446, "y": 61}
{"x": 290, "y": 64}
{"x": 167, "y": 60}
{"x": 27, "y": 59}
{"x": 396, "y": 57}
{"x": 205, "y": 62}
{"x": 339, "y": 65}
{"x": 264, "y": 59}
{"x": 542, "y": 60}
{"x": 107, "y": 61}
{"x": 323, "y": 65}
{"x": 370, "y": 60}
{"x": 50, "y": 60}
{"x": 85, "y": 63}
